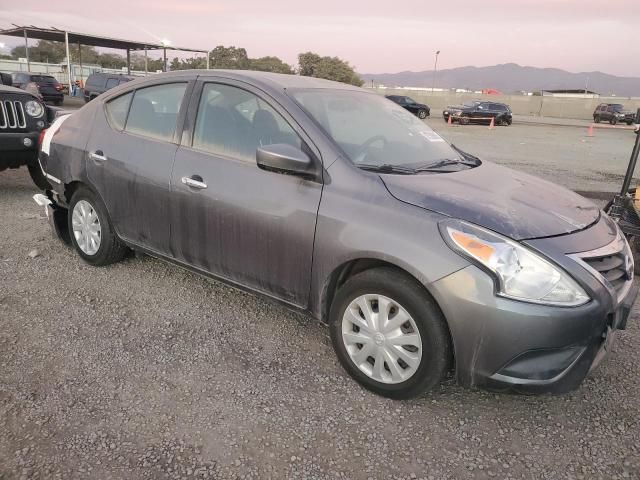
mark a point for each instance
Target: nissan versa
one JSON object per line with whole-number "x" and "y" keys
{"x": 420, "y": 257}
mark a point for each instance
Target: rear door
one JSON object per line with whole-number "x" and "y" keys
{"x": 247, "y": 225}
{"x": 130, "y": 156}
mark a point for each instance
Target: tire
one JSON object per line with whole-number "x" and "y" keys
{"x": 596, "y": 118}
{"x": 110, "y": 248}
{"x": 422, "y": 114}
{"x": 629, "y": 123}
{"x": 430, "y": 361}
{"x": 463, "y": 120}
{"x": 35, "y": 172}
{"x": 613, "y": 120}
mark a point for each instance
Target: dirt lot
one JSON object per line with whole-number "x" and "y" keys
{"x": 562, "y": 154}
{"x": 141, "y": 370}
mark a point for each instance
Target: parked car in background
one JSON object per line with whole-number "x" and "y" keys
{"x": 41, "y": 85}
{"x": 98, "y": 83}
{"x": 23, "y": 116}
{"x": 334, "y": 201}
{"x": 420, "y": 110}
{"x": 5, "y": 79}
{"x": 613, "y": 113}
{"x": 479, "y": 112}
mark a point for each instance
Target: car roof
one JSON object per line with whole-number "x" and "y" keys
{"x": 272, "y": 80}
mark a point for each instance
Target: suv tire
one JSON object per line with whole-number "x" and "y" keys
{"x": 596, "y": 118}
{"x": 424, "y": 321}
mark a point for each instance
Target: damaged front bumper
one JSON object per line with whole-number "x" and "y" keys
{"x": 502, "y": 344}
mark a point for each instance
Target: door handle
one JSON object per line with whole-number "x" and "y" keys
{"x": 98, "y": 156}
{"x": 195, "y": 181}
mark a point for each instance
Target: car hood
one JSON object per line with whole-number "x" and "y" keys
{"x": 511, "y": 203}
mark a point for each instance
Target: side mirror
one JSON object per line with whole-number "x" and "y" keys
{"x": 5, "y": 79}
{"x": 284, "y": 158}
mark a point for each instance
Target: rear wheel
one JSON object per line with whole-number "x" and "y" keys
{"x": 463, "y": 120}
{"x": 630, "y": 122}
{"x": 389, "y": 334}
{"x": 91, "y": 232}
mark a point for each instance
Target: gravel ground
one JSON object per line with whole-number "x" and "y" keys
{"x": 142, "y": 370}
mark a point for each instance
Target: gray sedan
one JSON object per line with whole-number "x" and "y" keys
{"x": 420, "y": 257}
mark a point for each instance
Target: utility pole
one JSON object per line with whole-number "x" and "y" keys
{"x": 435, "y": 70}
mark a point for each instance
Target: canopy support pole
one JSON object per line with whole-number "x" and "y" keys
{"x": 128, "y": 61}
{"x": 208, "y": 60}
{"x": 66, "y": 44}
{"x": 26, "y": 48}
{"x": 164, "y": 50}
{"x": 146, "y": 68}
{"x": 80, "y": 62}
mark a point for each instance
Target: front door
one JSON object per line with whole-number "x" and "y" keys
{"x": 130, "y": 159}
{"x": 229, "y": 217}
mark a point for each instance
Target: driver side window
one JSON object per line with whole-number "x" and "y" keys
{"x": 234, "y": 122}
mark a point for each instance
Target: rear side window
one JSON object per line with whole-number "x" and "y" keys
{"x": 154, "y": 111}
{"x": 112, "y": 82}
{"x": 234, "y": 123}
{"x": 117, "y": 111}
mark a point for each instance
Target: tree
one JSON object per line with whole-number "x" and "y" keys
{"x": 331, "y": 68}
{"x": 270, "y": 64}
{"x": 229, "y": 57}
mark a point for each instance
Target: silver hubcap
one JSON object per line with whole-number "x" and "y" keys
{"x": 381, "y": 338}
{"x": 86, "y": 227}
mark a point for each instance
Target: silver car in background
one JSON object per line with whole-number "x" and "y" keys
{"x": 420, "y": 257}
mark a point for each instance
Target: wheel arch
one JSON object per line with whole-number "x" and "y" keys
{"x": 352, "y": 267}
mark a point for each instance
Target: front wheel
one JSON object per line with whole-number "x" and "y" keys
{"x": 389, "y": 334}
{"x": 422, "y": 114}
{"x": 613, "y": 120}
{"x": 596, "y": 118}
{"x": 91, "y": 232}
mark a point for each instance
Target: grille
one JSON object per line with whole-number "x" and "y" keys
{"x": 12, "y": 115}
{"x": 613, "y": 267}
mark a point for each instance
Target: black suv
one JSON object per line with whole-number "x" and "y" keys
{"x": 44, "y": 86}
{"x": 479, "y": 112}
{"x": 23, "y": 116}
{"x": 98, "y": 83}
{"x": 420, "y": 110}
{"x": 613, "y": 113}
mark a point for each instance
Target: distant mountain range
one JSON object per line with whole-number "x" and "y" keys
{"x": 511, "y": 77}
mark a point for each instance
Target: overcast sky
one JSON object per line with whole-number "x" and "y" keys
{"x": 373, "y": 35}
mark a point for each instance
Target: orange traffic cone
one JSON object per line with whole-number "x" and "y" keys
{"x": 450, "y": 122}
{"x": 492, "y": 124}
{"x": 590, "y": 131}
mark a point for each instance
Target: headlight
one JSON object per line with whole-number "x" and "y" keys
{"x": 34, "y": 109}
{"x": 521, "y": 274}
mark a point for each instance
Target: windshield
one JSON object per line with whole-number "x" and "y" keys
{"x": 372, "y": 130}
{"x": 617, "y": 107}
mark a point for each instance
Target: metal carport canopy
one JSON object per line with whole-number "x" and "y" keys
{"x": 67, "y": 37}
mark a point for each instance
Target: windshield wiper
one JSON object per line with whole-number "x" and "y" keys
{"x": 445, "y": 162}
{"x": 475, "y": 161}
{"x": 386, "y": 168}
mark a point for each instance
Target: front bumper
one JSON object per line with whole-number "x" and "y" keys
{"x": 13, "y": 151}
{"x": 503, "y": 344}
